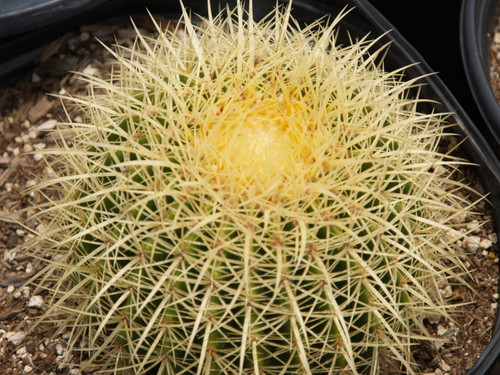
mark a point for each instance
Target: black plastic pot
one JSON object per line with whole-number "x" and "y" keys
{"x": 363, "y": 19}
{"x": 477, "y": 21}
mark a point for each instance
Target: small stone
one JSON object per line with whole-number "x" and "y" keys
{"x": 60, "y": 349}
{"x": 29, "y": 268}
{"x": 28, "y": 368}
{"x": 40, "y": 109}
{"x": 26, "y": 292}
{"x": 21, "y": 352}
{"x": 444, "y": 366}
{"x": 84, "y": 36}
{"x": 5, "y": 160}
{"x": 446, "y": 291}
{"x": 454, "y": 235}
{"x": 31, "y": 183}
{"x": 35, "y": 301}
{"x": 10, "y": 289}
{"x": 37, "y": 157}
{"x": 45, "y": 127}
{"x": 459, "y": 219}
{"x": 472, "y": 243}
{"x": 434, "y": 319}
{"x": 447, "y": 332}
{"x": 15, "y": 338}
{"x": 485, "y": 244}
{"x": 35, "y": 78}
{"x": 474, "y": 227}
{"x": 440, "y": 330}
{"x": 91, "y": 71}
{"x": 39, "y": 146}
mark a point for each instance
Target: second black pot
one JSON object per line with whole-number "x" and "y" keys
{"x": 477, "y": 21}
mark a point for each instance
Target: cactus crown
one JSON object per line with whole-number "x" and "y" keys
{"x": 250, "y": 198}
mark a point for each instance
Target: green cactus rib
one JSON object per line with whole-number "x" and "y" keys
{"x": 250, "y": 198}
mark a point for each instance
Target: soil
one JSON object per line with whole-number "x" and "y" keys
{"x": 495, "y": 60}
{"x": 28, "y": 113}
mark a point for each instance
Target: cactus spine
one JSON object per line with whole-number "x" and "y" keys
{"x": 250, "y": 199}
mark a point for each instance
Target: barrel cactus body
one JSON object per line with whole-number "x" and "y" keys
{"x": 249, "y": 197}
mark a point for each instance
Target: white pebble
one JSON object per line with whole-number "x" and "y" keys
{"x": 474, "y": 227}
{"x": 91, "y": 71}
{"x": 15, "y": 338}
{"x": 444, "y": 366}
{"x": 472, "y": 243}
{"x": 21, "y": 352}
{"x": 26, "y": 291}
{"x": 496, "y": 38}
{"x": 28, "y": 368}
{"x": 10, "y": 289}
{"x": 46, "y": 126}
{"x": 16, "y": 294}
{"x": 29, "y": 268}
{"x": 446, "y": 291}
{"x": 31, "y": 183}
{"x": 37, "y": 157}
{"x": 60, "y": 349}
{"x": 39, "y": 146}
{"x": 454, "y": 235}
{"x": 35, "y": 301}
{"x": 485, "y": 244}
{"x": 459, "y": 219}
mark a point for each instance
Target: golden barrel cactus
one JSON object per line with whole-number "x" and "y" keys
{"x": 250, "y": 197}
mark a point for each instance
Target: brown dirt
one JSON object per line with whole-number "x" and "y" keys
{"x": 27, "y": 113}
{"x": 495, "y": 60}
